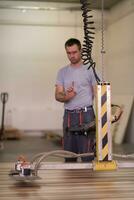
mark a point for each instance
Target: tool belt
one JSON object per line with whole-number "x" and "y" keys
{"x": 80, "y": 121}
{"x": 83, "y": 128}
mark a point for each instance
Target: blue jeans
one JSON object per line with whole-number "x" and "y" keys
{"x": 78, "y": 142}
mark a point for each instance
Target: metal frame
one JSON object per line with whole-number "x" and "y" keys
{"x": 58, "y": 165}
{"x": 103, "y": 159}
{"x": 103, "y": 107}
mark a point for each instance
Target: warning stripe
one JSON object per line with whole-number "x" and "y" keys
{"x": 104, "y": 123}
{"x": 104, "y": 153}
{"x": 104, "y": 129}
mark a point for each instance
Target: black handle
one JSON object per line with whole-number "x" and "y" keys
{"x": 4, "y": 99}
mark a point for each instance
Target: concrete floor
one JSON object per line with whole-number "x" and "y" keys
{"x": 30, "y": 146}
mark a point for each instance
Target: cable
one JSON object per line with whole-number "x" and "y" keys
{"x": 88, "y": 38}
{"x": 124, "y": 155}
{"x": 118, "y": 113}
{"x": 102, "y": 39}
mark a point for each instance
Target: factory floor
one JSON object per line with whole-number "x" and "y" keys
{"x": 62, "y": 184}
{"x": 27, "y": 146}
{"x": 32, "y": 145}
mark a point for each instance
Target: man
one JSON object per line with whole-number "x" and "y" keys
{"x": 75, "y": 88}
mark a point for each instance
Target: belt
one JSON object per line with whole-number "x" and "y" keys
{"x": 85, "y": 109}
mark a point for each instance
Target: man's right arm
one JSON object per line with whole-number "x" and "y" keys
{"x": 60, "y": 93}
{"x": 62, "y": 96}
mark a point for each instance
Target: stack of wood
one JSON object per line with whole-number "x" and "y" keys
{"x": 11, "y": 133}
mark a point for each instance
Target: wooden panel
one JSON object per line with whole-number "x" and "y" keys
{"x": 69, "y": 185}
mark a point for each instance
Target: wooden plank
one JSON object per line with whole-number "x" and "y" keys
{"x": 80, "y": 184}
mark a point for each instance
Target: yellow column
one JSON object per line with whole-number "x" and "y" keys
{"x": 103, "y": 128}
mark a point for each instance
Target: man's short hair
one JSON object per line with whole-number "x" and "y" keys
{"x": 73, "y": 41}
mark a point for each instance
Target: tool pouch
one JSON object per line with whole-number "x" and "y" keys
{"x": 85, "y": 127}
{"x": 80, "y": 122}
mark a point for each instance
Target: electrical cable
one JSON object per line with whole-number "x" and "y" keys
{"x": 88, "y": 37}
{"x": 88, "y": 42}
{"x": 102, "y": 39}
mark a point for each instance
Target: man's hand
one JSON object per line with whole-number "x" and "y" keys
{"x": 70, "y": 92}
{"x": 64, "y": 96}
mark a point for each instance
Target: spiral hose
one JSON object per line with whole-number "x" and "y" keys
{"x": 88, "y": 37}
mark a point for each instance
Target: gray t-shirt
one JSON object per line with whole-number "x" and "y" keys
{"x": 83, "y": 79}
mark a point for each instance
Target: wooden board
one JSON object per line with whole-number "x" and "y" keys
{"x": 78, "y": 184}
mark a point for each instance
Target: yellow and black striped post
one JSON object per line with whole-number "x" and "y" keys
{"x": 103, "y": 128}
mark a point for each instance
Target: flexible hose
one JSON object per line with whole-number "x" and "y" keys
{"x": 88, "y": 37}
{"x": 58, "y": 153}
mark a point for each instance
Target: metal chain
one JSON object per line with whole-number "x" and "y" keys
{"x": 102, "y": 41}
